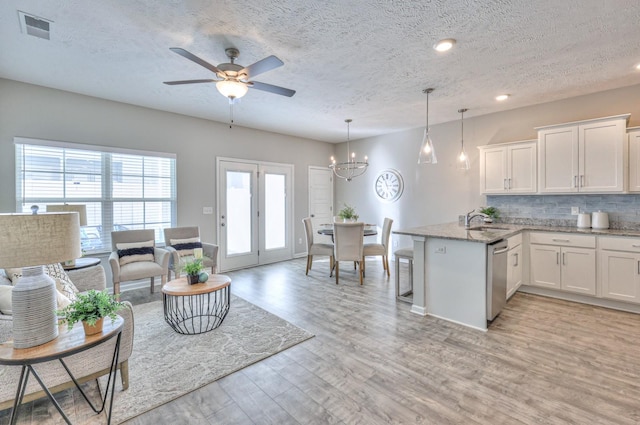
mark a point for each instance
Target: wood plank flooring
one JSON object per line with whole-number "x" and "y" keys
{"x": 543, "y": 361}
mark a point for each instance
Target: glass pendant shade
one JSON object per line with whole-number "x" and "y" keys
{"x": 463, "y": 158}
{"x": 232, "y": 89}
{"x": 427, "y": 152}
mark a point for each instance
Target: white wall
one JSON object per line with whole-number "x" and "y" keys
{"x": 440, "y": 193}
{"x": 33, "y": 111}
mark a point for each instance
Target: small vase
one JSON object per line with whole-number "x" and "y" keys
{"x": 193, "y": 278}
{"x": 95, "y": 329}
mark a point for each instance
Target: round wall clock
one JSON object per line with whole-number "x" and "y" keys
{"x": 389, "y": 185}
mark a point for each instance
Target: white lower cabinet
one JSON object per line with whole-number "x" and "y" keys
{"x": 564, "y": 262}
{"x": 620, "y": 268}
{"x": 514, "y": 270}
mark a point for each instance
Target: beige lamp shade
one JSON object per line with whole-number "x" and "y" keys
{"x": 37, "y": 239}
{"x": 79, "y": 208}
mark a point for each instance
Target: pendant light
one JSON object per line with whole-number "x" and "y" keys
{"x": 351, "y": 168}
{"x": 463, "y": 159}
{"x": 427, "y": 153}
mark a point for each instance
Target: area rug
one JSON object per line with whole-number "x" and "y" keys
{"x": 165, "y": 365}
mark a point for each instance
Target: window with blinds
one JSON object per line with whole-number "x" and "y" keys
{"x": 121, "y": 189}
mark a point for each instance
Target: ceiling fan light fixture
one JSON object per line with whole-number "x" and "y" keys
{"x": 444, "y": 45}
{"x": 232, "y": 89}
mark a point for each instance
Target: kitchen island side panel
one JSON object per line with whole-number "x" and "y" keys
{"x": 456, "y": 288}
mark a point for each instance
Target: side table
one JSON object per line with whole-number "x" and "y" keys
{"x": 198, "y": 308}
{"x": 66, "y": 344}
{"x": 82, "y": 263}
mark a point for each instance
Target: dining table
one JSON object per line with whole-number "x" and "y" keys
{"x": 327, "y": 229}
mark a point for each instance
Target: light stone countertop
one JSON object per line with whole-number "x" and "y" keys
{"x": 488, "y": 233}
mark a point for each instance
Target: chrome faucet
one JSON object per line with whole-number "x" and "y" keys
{"x": 470, "y": 216}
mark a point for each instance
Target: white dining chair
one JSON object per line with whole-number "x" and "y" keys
{"x": 316, "y": 248}
{"x": 348, "y": 243}
{"x": 382, "y": 248}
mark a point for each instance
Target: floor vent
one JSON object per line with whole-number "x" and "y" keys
{"x": 35, "y": 26}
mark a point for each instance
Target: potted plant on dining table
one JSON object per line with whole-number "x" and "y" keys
{"x": 348, "y": 213}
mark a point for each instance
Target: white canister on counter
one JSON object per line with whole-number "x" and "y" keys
{"x": 584, "y": 221}
{"x": 600, "y": 220}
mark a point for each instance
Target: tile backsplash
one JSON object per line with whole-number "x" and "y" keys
{"x": 555, "y": 210}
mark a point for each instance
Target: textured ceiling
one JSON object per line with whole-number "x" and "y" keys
{"x": 363, "y": 59}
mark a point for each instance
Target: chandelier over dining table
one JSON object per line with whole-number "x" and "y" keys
{"x": 351, "y": 168}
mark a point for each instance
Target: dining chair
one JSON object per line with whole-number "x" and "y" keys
{"x": 348, "y": 244}
{"x": 382, "y": 248}
{"x": 135, "y": 256}
{"x": 181, "y": 241}
{"x": 316, "y": 248}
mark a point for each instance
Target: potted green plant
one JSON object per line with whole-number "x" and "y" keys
{"x": 193, "y": 269}
{"x": 348, "y": 213}
{"x": 492, "y": 212}
{"x": 90, "y": 308}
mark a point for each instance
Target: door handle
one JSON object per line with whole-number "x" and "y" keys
{"x": 561, "y": 240}
{"x": 557, "y": 258}
{"x": 504, "y": 184}
{"x": 582, "y": 180}
{"x": 575, "y": 181}
{"x": 638, "y": 266}
{"x": 563, "y": 262}
{"x": 221, "y": 224}
{"x": 515, "y": 256}
{"x": 313, "y": 215}
{"x": 500, "y": 251}
{"x": 509, "y": 184}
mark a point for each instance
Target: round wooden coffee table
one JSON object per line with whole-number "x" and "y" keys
{"x": 198, "y": 308}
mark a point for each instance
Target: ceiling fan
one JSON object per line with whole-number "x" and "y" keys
{"x": 234, "y": 80}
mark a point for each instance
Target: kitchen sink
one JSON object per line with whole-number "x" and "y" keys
{"x": 490, "y": 227}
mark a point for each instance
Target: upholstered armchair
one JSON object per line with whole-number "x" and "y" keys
{"x": 181, "y": 241}
{"x": 134, "y": 256}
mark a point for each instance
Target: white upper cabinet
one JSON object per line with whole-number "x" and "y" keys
{"x": 584, "y": 156}
{"x": 508, "y": 168}
{"x": 634, "y": 159}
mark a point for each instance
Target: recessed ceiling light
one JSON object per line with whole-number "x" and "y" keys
{"x": 502, "y": 97}
{"x": 444, "y": 45}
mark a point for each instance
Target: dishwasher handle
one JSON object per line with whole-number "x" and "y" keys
{"x": 500, "y": 251}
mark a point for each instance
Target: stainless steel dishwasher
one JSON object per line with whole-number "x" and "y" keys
{"x": 496, "y": 277}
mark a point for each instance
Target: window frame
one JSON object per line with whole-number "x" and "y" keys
{"x": 106, "y": 200}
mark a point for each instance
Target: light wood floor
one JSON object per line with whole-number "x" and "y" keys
{"x": 543, "y": 361}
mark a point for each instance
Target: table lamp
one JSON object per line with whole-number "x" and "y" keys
{"x": 30, "y": 241}
{"x": 81, "y": 209}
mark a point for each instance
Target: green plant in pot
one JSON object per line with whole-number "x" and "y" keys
{"x": 193, "y": 269}
{"x": 90, "y": 308}
{"x": 348, "y": 213}
{"x": 492, "y": 212}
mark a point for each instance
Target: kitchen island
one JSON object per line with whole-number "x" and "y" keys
{"x": 450, "y": 270}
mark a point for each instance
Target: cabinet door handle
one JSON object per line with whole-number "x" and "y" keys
{"x": 582, "y": 180}
{"x": 563, "y": 263}
{"x": 638, "y": 266}
{"x": 557, "y": 258}
{"x": 575, "y": 181}
{"x": 504, "y": 184}
{"x": 561, "y": 240}
{"x": 515, "y": 257}
{"x": 635, "y": 245}
{"x": 509, "y": 185}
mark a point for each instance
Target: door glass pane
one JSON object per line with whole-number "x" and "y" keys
{"x": 238, "y": 212}
{"x": 275, "y": 213}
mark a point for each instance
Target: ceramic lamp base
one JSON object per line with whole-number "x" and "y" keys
{"x": 34, "y": 309}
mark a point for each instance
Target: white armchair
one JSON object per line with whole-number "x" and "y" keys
{"x": 180, "y": 242}
{"x": 135, "y": 256}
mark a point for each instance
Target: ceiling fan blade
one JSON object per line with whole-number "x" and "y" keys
{"x": 174, "y": 83}
{"x": 272, "y": 89}
{"x": 264, "y": 65}
{"x": 195, "y": 59}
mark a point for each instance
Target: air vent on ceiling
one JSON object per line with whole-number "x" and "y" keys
{"x": 35, "y": 26}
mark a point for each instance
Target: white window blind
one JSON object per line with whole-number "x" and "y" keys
{"x": 122, "y": 190}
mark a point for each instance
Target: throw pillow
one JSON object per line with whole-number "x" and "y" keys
{"x": 135, "y": 251}
{"x": 185, "y": 246}
{"x": 63, "y": 283}
{"x": 5, "y": 299}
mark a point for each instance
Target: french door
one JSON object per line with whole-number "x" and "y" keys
{"x": 255, "y": 211}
